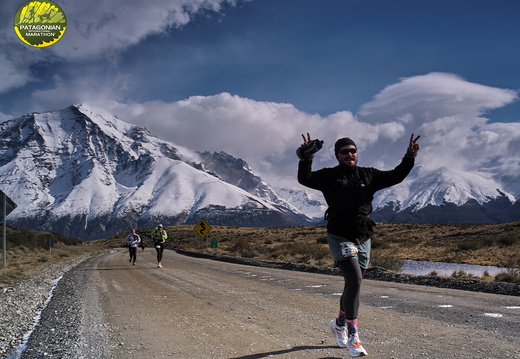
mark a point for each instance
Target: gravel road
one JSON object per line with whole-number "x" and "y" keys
{"x": 103, "y": 307}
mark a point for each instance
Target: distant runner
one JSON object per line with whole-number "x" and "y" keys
{"x": 133, "y": 241}
{"x": 159, "y": 237}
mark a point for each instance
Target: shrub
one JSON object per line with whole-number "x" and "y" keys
{"x": 469, "y": 246}
{"x": 511, "y": 275}
{"x": 243, "y": 248}
{"x": 462, "y": 275}
{"x": 247, "y": 253}
{"x": 42, "y": 259}
{"x": 507, "y": 240}
{"x": 322, "y": 240}
{"x": 390, "y": 263}
{"x": 459, "y": 274}
{"x": 306, "y": 252}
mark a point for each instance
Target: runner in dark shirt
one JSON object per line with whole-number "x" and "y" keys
{"x": 349, "y": 191}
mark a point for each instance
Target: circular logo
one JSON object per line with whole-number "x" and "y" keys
{"x": 40, "y": 23}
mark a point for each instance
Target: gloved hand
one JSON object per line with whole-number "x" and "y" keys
{"x": 308, "y": 149}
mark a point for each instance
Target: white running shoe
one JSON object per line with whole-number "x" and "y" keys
{"x": 355, "y": 348}
{"x": 159, "y": 265}
{"x": 340, "y": 333}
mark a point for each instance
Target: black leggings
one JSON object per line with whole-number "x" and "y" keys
{"x": 160, "y": 249}
{"x": 353, "y": 275}
{"x": 133, "y": 254}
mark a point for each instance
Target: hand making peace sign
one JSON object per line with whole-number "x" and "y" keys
{"x": 414, "y": 147}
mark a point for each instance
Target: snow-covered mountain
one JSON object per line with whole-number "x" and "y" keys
{"x": 442, "y": 186}
{"x": 83, "y": 173}
{"x": 449, "y": 196}
{"x": 441, "y": 196}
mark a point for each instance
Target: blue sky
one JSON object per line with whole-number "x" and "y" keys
{"x": 248, "y": 77}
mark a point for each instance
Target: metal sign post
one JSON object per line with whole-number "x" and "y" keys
{"x": 6, "y": 206}
{"x": 4, "y": 240}
{"x": 202, "y": 229}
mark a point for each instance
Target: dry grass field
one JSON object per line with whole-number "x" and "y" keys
{"x": 27, "y": 252}
{"x": 484, "y": 244}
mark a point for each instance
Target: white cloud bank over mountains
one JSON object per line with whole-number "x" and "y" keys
{"x": 448, "y": 112}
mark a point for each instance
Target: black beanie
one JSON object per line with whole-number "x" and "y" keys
{"x": 342, "y": 142}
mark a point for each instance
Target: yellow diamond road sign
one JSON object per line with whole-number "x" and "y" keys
{"x": 202, "y": 228}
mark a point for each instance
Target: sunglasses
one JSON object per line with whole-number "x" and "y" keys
{"x": 346, "y": 151}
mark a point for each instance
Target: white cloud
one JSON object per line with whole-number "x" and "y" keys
{"x": 4, "y": 117}
{"x": 11, "y": 75}
{"x": 500, "y": 141}
{"x": 87, "y": 87}
{"x": 428, "y": 97}
{"x": 266, "y": 134}
{"x": 448, "y": 113}
{"x": 95, "y": 29}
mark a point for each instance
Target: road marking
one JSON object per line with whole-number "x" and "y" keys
{"x": 493, "y": 315}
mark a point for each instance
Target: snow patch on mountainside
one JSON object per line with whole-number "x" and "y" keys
{"x": 309, "y": 202}
{"x": 440, "y": 187}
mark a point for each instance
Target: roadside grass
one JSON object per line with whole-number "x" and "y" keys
{"x": 481, "y": 244}
{"x": 28, "y": 252}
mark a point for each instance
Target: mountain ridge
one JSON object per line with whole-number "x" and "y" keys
{"x": 87, "y": 174}
{"x": 84, "y": 173}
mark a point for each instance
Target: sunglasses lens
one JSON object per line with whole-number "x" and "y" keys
{"x": 347, "y": 151}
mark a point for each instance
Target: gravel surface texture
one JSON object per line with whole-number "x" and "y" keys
{"x": 70, "y": 322}
{"x": 67, "y": 320}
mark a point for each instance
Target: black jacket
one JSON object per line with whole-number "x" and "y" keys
{"x": 349, "y": 193}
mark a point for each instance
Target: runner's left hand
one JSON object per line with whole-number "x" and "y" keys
{"x": 413, "y": 146}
